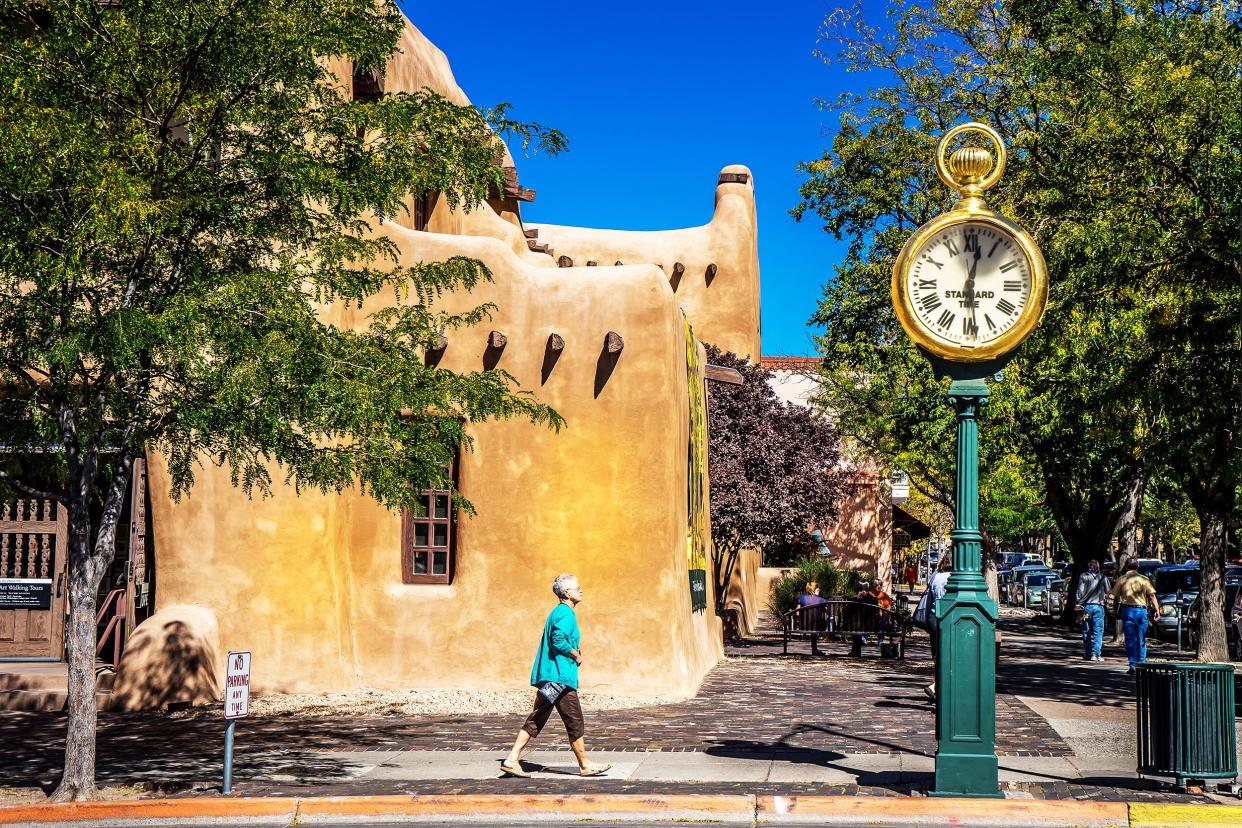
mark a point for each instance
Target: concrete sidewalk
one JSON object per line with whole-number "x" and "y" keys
{"x": 795, "y": 767}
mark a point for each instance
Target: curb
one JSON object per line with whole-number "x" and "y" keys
{"x": 492, "y": 810}
{"x": 1153, "y": 815}
{"x": 742, "y": 809}
{"x": 191, "y": 811}
{"x": 917, "y": 812}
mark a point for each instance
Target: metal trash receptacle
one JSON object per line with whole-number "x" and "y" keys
{"x": 1186, "y": 721}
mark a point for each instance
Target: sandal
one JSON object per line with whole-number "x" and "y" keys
{"x": 598, "y": 770}
{"x": 511, "y": 770}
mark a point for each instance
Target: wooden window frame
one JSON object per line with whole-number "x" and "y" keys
{"x": 409, "y": 551}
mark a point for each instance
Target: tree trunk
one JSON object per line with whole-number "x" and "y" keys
{"x": 1213, "y": 646}
{"x": 1127, "y": 526}
{"x": 78, "y": 780}
{"x": 1127, "y": 532}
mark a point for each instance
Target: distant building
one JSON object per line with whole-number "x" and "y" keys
{"x": 871, "y": 526}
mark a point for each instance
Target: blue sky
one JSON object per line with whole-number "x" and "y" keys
{"x": 655, "y": 98}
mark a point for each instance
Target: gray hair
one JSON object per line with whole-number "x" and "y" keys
{"x": 561, "y": 585}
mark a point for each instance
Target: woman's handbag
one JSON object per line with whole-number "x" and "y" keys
{"x": 920, "y": 611}
{"x": 552, "y": 691}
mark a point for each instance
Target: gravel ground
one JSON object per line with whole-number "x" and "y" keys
{"x": 368, "y": 703}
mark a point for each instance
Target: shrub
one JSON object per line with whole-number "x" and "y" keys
{"x": 833, "y": 581}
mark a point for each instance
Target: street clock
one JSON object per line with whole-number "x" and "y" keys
{"x": 970, "y": 284}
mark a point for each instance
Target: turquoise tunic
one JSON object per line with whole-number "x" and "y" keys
{"x": 553, "y": 661}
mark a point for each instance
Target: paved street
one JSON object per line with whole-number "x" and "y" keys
{"x": 763, "y": 724}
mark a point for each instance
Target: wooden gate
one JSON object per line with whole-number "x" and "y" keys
{"x": 137, "y": 573}
{"x": 33, "y": 553}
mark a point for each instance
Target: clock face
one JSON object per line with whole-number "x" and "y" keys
{"x": 969, "y": 283}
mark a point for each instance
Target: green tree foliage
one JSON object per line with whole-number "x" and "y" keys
{"x": 1122, "y": 121}
{"x": 187, "y": 194}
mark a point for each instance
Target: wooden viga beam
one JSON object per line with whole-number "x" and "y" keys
{"x": 497, "y": 340}
{"x": 613, "y": 343}
{"x": 556, "y": 342}
{"x": 720, "y": 373}
{"x": 565, "y": 261}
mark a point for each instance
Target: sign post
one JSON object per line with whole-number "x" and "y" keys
{"x": 236, "y": 706}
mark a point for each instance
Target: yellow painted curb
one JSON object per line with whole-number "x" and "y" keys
{"x": 1157, "y": 815}
{"x": 920, "y": 810}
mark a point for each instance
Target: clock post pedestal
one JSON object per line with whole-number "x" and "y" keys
{"x": 966, "y": 763}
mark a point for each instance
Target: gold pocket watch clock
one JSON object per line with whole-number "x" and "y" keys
{"x": 970, "y": 284}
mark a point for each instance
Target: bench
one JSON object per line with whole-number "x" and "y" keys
{"x": 841, "y": 618}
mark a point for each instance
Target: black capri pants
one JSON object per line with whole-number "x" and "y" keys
{"x": 567, "y": 705}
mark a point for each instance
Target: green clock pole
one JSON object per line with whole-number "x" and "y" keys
{"x": 966, "y": 763}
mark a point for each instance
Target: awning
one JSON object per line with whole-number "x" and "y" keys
{"x": 911, "y": 527}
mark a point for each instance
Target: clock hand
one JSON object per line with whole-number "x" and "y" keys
{"x": 970, "y": 293}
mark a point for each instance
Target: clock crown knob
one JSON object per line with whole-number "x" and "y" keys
{"x": 971, "y": 170}
{"x": 970, "y": 164}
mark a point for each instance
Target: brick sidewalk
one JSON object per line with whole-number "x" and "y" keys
{"x": 757, "y": 704}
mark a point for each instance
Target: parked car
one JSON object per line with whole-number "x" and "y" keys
{"x": 1034, "y": 585}
{"x": 1234, "y": 630}
{"x": 1017, "y": 587}
{"x": 1109, "y": 568}
{"x": 1168, "y": 580}
{"x": 1233, "y": 614}
{"x": 1148, "y": 566}
{"x": 1004, "y": 577}
{"x": 1054, "y": 596}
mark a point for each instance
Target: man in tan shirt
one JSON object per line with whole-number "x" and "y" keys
{"x": 1134, "y": 594}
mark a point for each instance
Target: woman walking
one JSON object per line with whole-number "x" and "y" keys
{"x": 555, "y": 677}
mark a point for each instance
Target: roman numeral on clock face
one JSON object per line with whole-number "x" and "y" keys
{"x": 1006, "y": 307}
{"x": 1013, "y": 284}
{"x": 1008, "y": 266}
{"x": 928, "y": 284}
{"x": 946, "y": 319}
{"x": 991, "y": 324}
{"x": 930, "y": 302}
{"x": 951, "y": 246}
{"x": 969, "y": 326}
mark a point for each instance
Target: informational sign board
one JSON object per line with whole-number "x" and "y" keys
{"x": 237, "y": 686}
{"x": 26, "y": 593}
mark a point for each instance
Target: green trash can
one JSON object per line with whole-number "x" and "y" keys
{"x": 1185, "y": 721}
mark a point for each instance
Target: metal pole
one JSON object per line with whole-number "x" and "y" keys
{"x": 966, "y": 763}
{"x": 1179, "y": 622}
{"x": 228, "y": 756}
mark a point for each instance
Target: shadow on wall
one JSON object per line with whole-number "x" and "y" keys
{"x": 171, "y": 658}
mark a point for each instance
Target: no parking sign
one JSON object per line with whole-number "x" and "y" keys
{"x": 237, "y": 686}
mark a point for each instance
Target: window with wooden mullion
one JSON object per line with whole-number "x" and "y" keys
{"x": 428, "y": 541}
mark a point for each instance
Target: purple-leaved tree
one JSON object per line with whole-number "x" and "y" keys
{"x": 773, "y": 467}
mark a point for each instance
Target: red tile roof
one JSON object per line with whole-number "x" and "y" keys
{"x": 791, "y": 363}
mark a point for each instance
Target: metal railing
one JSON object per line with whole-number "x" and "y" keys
{"x": 116, "y": 626}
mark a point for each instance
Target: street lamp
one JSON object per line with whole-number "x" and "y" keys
{"x": 968, "y": 287}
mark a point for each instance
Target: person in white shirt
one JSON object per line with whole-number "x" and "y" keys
{"x": 935, "y": 591}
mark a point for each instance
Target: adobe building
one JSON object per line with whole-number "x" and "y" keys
{"x": 332, "y": 592}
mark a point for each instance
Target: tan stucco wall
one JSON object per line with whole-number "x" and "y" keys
{"x": 725, "y": 312}
{"x": 311, "y": 583}
{"x": 862, "y": 538}
{"x": 744, "y": 597}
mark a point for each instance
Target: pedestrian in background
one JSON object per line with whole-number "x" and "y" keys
{"x": 925, "y": 612}
{"x": 1134, "y": 593}
{"x": 555, "y": 677}
{"x": 1093, "y": 588}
